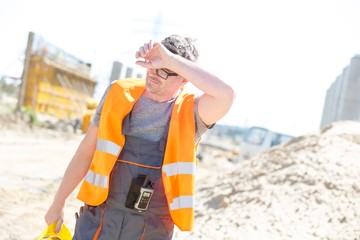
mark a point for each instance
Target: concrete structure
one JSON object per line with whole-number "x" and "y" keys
{"x": 343, "y": 96}
{"x": 116, "y": 71}
{"x": 129, "y": 72}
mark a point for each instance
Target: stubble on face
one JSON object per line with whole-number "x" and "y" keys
{"x": 154, "y": 85}
{"x": 159, "y": 89}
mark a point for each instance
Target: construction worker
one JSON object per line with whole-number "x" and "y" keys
{"x": 137, "y": 159}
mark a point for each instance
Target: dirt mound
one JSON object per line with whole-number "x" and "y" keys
{"x": 306, "y": 189}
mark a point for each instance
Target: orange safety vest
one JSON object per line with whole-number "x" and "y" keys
{"x": 179, "y": 165}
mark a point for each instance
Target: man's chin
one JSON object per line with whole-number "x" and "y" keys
{"x": 151, "y": 88}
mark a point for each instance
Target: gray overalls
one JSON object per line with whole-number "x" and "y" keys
{"x": 118, "y": 221}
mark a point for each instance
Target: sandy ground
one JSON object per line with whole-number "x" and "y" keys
{"x": 307, "y": 189}
{"x": 32, "y": 163}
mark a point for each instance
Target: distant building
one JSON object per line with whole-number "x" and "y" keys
{"x": 343, "y": 96}
{"x": 117, "y": 73}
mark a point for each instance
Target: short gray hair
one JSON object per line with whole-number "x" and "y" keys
{"x": 182, "y": 46}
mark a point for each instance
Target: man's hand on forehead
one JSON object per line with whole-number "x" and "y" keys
{"x": 154, "y": 55}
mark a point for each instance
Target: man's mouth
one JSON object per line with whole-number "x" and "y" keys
{"x": 153, "y": 80}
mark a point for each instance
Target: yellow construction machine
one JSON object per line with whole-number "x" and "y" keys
{"x": 91, "y": 105}
{"x": 56, "y": 84}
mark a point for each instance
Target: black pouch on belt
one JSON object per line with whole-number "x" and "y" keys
{"x": 134, "y": 191}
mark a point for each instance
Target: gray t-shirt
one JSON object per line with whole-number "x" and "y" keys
{"x": 149, "y": 118}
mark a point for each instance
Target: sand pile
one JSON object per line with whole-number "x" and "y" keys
{"x": 306, "y": 189}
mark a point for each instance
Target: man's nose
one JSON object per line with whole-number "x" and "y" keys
{"x": 152, "y": 72}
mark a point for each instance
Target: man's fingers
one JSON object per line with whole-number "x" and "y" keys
{"x": 58, "y": 226}
{"x": 81, "y": 210}
{"x": 144, "y": 64}
{"x": 145, "y": 49}
{"x": 137, "y": 54}
{"x": 148, "y": 46}
{"x": 151, "y": 43}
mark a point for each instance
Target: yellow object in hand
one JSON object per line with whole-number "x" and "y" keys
{"x": 49, "y": 233}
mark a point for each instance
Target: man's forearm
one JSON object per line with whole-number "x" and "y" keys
{"x": 74, "y": 173}
{"x": 218, "y": 96}
{"x": 77, "y": 167}
{"x": 201, "y": 78}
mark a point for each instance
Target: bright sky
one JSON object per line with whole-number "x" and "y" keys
{"x": 280, "y": 56}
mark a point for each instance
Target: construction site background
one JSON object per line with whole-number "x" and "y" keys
{"x": 55, "y": 89}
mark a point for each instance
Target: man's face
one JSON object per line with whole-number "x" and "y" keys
{"x": 156, "y": 84}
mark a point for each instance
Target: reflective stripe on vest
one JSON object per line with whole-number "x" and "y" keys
{"x": 173, "y": 169}
{"x": 107, "y": 146}
{"x": 97, "y": 179}
{"x": 182, "y": 202}
{"x": 179, "y": 168}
